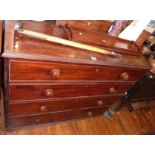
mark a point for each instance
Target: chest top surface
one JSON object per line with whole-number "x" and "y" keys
{"x": 36, "y": 49}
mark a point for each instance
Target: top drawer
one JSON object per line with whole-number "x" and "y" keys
{"x": 35, "y": 70}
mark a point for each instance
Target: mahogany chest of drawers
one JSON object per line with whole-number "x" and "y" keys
{"x": 47, "y": 82}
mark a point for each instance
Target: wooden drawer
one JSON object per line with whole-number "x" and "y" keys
{"x": 56, "y": 90}
{"x": 17, "y": 122}
{"x": 87, "y": 25}
{"x": 35, "y": 70}
{"x": 36, "y": 107}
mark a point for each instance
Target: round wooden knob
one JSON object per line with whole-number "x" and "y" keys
{"x": 124, "y": 76}
{"x": 37, "y": 120}
{"x": 48, "y": 92}
{"x": 89, "y": 113}
{"x": 97, "y": 69}
{"x": 112, "y": 90}
{"x": 100, "y": 102}
{"x": 55, "y": 73}
{"x": 43, "y": 108}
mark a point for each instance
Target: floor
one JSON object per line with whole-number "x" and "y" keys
{"x": 124, "y": 122}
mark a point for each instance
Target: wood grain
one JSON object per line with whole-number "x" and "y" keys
{"x": 87, "y": 25}
{"x": 65, "y": 42}
{"x": 41, "y": 50}
{"x": 32, "y": 120}
{"x": 35, "y": 70}
{"x": 60, "y": 72}
{"x": 124, "y": 122}
{"x": 107, "y": 42}
{"x": 28, "y": 91}
{"x": 38, "y": 107}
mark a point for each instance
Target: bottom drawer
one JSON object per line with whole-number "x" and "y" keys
{"x": 53, "y": 117}
{"x": 38, "y": 107}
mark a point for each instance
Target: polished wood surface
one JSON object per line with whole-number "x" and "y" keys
{"x": 38, "y": 91}
{"x": 39, "y": 72}
{"x": 124, "y": 122}
{"x": 107, "y": 42}
{"x": 31, "y": 120}
{"x": 61, "y": 41}
{"x": 38, "y": 107}
{"x": 49, "y": 71}
{"x": 29, "y": 48}
{"x": 87, "y": 25}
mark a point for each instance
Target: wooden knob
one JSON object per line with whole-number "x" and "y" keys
{"x": 97, "y": 69}
{"x": 112, "y": 90}
{"x": 100, "y": 102}
{"x": 124, "y": 76}
{"x": 89, "y": 113}
{"x": 48, "y": 92}
{"x": 43, "y": 108}
{"x": 55, "y": 73}
{"x": 37, "y": 120}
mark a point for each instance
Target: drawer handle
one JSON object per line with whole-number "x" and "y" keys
{"x": 97, "y": 69}
{"x": 55, "y": 73}
{"x": 124, "y": 76}
{"x": 112, "y": 90}
{"x": 100, "y": 102}
{"x": 43, "y": 108}
{"x": 48, "y": 92}
{"x": 37, "y": 120}
{"x": 89, "y": 113}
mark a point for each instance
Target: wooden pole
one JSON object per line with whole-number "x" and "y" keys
{"x": 64, "y": 42}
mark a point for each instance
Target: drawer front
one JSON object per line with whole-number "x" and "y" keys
{"x": 35, "y": 107}
{"x": 34, "y": 70}
{"x": 42, "y": 91}
{"x": 17, "y": 122}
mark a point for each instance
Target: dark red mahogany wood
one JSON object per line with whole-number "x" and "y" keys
{"x": 47, "y": 82}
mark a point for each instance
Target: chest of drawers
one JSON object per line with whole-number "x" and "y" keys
{"x": 46, "y": 83}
